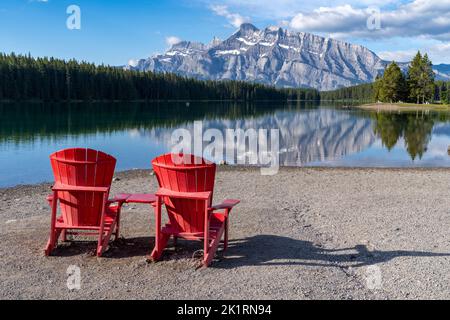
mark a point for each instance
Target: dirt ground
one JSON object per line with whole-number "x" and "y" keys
{"x": 304, "y": 233}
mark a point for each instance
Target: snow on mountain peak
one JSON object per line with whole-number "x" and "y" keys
{"x": 271, "y": 56}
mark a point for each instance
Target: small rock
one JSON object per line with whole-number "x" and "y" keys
{"x": 116, "y": 179}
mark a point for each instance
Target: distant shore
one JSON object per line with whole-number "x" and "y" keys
{"x": 296, "y": 235}
{"x": 404, "y": 107}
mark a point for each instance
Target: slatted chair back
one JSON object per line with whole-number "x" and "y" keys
{"x": 86, "y": 168}
{"x": 187, "y": 173}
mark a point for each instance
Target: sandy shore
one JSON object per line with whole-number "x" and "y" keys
{"x": 301, "y": 234}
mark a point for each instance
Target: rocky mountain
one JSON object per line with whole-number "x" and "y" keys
{"x": 442, "y": 72}
{"x": 271, "y": 56}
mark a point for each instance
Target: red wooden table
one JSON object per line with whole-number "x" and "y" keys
{"x": 147, "y": 198}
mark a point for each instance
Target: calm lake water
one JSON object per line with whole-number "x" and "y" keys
{"x": 310, "y": 134}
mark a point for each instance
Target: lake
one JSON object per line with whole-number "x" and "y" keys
{"x": 311, "y": 134}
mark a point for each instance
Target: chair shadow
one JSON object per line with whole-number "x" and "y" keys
{"x": 130, "y": 247}
{"x": 143, "y": 246}
{"x": 272, "y": 250}
{"x": 259, "y": 250}
{"x": 120, "y": 248}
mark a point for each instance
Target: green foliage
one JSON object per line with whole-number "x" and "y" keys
{"x": 363, "y": 92}
{"x": 441, "y": 92}
{"x": 414, "y": 128}
{"x": 445, "y": 99}
{"x": 420, "y": 79}
{"x": 49, "y": 79}
{"x": 377, "y": 85}
{"x": 392, "y": 87}
{"x": 418, "y": 86}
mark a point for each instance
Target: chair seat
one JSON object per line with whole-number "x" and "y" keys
{"x": 217, "y": 222}
{"x": 110, "y": 218}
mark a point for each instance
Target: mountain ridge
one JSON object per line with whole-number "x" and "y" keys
{"x": 275, "y": 56}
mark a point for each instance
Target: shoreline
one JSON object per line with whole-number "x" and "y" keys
{"x": 398, "y": 107}
{"x": 224, "y": 168}
{"x": 296, "y": 235}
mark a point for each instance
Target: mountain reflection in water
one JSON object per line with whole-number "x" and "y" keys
{"x": 310, "y": 134}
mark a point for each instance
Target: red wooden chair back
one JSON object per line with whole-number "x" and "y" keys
{"x": 87, "y": 168}
{"x": 187, "y": 173}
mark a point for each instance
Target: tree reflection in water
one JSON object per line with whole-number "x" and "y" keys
{"x": 415, "y": 128}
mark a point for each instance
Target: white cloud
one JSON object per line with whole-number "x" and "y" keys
{"x": 398, "y": 56}
{"x": 286, "y": 9}
{"x": 172, "y": 40}
{"x": 410, "y": 24}
{"x": 234, "y": 19}
{"x": 346, "y": 18}
{"x": 430, "y": 18}
{"x": 438, "y": 53}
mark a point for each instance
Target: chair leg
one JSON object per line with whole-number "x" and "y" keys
{"x": 161, "y": 239}
{"x": 49, "y": 247}
{"x": 101, "y": 233}
{"x": 100, "y": 248}
{"x": 52, "y": 242}
{"x": 117, "y": 234}
{"x": 225, "y": 237}
{"x": 64, "y": 235}
{"x": 54, "y": 232}
{"x": 212, "y": 248}
{"x": 159, "y": 247}
{"x": 103, "y": 241}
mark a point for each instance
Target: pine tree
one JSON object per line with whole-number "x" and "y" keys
{"x": 413, "y": 77}
{"x": 393, "y": 85}
{"x": 377, "y": 88}
{"x": 421, "y": 79}
{"x": 24, "y": 77}
{"x": 427, "y": 79}
{"x": 444, "y": 96}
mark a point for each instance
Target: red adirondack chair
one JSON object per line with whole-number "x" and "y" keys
{"x": 186, "y": 189}
{"x": 83, "y": 178}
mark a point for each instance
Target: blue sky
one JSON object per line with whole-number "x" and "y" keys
{"x": 113, "y": 32}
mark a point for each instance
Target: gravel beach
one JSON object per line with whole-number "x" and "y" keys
{"x": 304, "y": 233}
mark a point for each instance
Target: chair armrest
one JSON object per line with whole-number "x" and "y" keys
{"x": 204, "y": 195}
{"x": 226, "y": 204}
{"x": 64, "y": 187}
